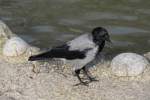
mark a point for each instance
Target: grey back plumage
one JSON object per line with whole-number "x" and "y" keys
{"x": 83, "y": 43}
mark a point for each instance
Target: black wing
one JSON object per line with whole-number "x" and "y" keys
{"x": 60, "y": 52}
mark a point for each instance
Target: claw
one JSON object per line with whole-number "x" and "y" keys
{"x": 91, "y": 79}
{"x": 82, "y": 83}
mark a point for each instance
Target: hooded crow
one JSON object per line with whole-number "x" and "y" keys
{"x": 81, "y": 50}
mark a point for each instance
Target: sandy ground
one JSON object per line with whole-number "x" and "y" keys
{"x": 20, "y": 82}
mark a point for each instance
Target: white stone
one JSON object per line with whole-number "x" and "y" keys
{"x": 4, "y": 30}
{"x": 15, "y": 46}
{"x": 128, "y": 64}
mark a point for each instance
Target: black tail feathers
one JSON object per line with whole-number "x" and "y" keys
{"x": 42, "y": 56}
{"x": 59, "y": 53}
{"x": 34, "y": 58}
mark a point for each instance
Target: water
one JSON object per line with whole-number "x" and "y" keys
{"x": 47, "y": 23}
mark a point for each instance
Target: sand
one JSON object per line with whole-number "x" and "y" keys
{"x": 20, "y": 82}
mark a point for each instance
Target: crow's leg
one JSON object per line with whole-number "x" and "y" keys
{"x": 85, "y": 70}
{"x": 77, "y": 72}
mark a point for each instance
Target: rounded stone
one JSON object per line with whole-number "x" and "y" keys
{"x": 4, "y": 30}
{"x": 128, "y": 64}
{"x": 15, "y": 46}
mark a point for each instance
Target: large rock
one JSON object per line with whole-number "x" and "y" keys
{"x": 16, "y": 50}
{"x": 128, "y": 64}
{"x": 15, "y": 46}
{"x": 4, "y": 30}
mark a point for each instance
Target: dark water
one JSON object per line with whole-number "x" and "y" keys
{"x": 46, "y": 23}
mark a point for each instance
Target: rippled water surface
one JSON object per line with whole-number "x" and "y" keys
{"x": 47, "y": 23}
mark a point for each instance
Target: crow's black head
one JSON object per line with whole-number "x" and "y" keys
{"x": 100, "y": 34}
